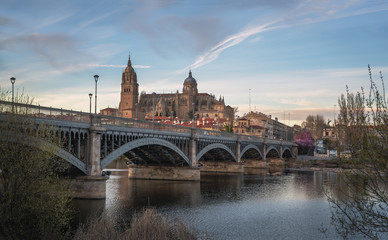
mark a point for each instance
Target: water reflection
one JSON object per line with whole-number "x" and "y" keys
{"x": 254, "y": 205}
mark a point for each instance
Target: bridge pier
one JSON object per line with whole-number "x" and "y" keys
{"x": 294, "y": 152}
{"x": 164, "y": 173}
{"x": 94, "y": 185}
{"x": 238, "y": 150}
{"x": 94, "y": 165}
{"x": 281, "y": 149}
{"x": 220, "y": 166}
{"x": 88, "y": 187}
{"x": 193, "y": 148}
{"x": 255, "y": 163}
{"x": 276, "y": 162}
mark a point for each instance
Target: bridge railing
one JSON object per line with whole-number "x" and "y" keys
{"x": 44, "y": 112}
{"x": 79, "y": 116}
{"x": 205, "y": 132}
{"x": 127, "y": 122}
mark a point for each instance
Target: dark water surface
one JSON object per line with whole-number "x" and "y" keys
{"x": 227, "y": 206}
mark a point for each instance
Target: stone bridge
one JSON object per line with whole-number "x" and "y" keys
{"x": 90, "y": 142}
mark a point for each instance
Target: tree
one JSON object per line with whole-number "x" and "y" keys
{"x": 363, "y": 206}
{"x": 228, "y": 127}
{"x": 305, "y": 142}
{"x": 33, "y": 201}
{"x": 314, "y": 124}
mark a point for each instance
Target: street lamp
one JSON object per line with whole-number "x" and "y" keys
{"x": 95, "y": 94}
{"x": 137, "y": 105}
{"x": 153, "y": 106}
{"x": 218, "y": 120}
{"x": 13, "y": 82}
{"x": 90, "y": 103}
{"x": 193, "y": 115}
{"x": 250, "y": 124}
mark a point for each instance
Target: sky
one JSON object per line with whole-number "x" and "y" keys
{"x": 288, "y": 58}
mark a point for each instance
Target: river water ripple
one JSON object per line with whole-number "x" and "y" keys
{"x": 227, "y": 206}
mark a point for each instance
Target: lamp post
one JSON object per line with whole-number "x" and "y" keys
{"x": 153, "y": 106}
{"x": 90, "y": 103}
{"x": 13, "y": 82}
{"x": 137, "y": 105}
{"x": 153, "y": 110}
{"x": 95, "y": 94}
{"x": 193, "y": 115}
{"x": 250, "y": 124}
{"x": 218, "y": 120}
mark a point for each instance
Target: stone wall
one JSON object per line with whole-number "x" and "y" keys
{"x": 164, "y": 173}
{"x": 276, "y": 162}
{"x": 255, "y": 163}
{"x": 88, "y": 187}
{"x": 218, "y": 166}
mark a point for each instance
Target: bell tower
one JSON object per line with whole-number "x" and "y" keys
{"x": 129, "y": 90}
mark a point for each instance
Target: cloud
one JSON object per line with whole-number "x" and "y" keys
{"x": 141, "y": 66}
{"x": 307, "y": 12}
{"x": 112, "y": 66}
{"x": 230, "y": 41}
{"x": 6, "y": 21}
{"x": 58, "y": 50}
{"x": 249, "y": 4}
{"x": 94, "y": 20}
{"x": 51, "y": 20}
{"x": 171, "y": 34}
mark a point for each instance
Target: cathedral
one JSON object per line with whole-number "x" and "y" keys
{"x": 181, "y": 105}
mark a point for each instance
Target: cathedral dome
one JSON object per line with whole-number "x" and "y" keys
{"x": 190, "y": 79}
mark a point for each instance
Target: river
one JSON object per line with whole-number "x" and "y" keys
{"x": 227, "y": 206}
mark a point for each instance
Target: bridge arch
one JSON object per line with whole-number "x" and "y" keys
{"x": 43, "y": 145}
{"x": 272, "y": 148}
{"x": 138, "y": 143}
{"x": 286, "y": 150}
{"x": 251, "y": 146}
{"x": 215, "y": 146}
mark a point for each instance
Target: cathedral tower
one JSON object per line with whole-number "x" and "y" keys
{"x": 190, "y": 85}
{"x": 129, "y": 91}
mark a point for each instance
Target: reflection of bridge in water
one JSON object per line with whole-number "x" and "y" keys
{"x": 91, "y": 142}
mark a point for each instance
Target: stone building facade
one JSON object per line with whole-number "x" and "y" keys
{"x": 177, "y": 104}
{"x": 261, "y": 125}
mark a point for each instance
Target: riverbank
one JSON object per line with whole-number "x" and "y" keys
{"x": 311, "y": 163}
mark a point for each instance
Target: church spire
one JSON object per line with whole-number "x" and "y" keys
{"x": 129, "y": 59}
{"x": 190, "y": 73}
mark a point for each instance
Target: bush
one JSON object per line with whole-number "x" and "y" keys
{"x": 33, "y": 201}
{"x": 147, "y": 225}
{"x": 362, "y": 129}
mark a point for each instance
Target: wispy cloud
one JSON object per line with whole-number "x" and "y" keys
{"x": 112, "y": 66}
{"x": 230, "y": 41}
{"x": 52, "y": 20}
{"x": 94, "y": 20}
{"x": 307, "y": 12}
